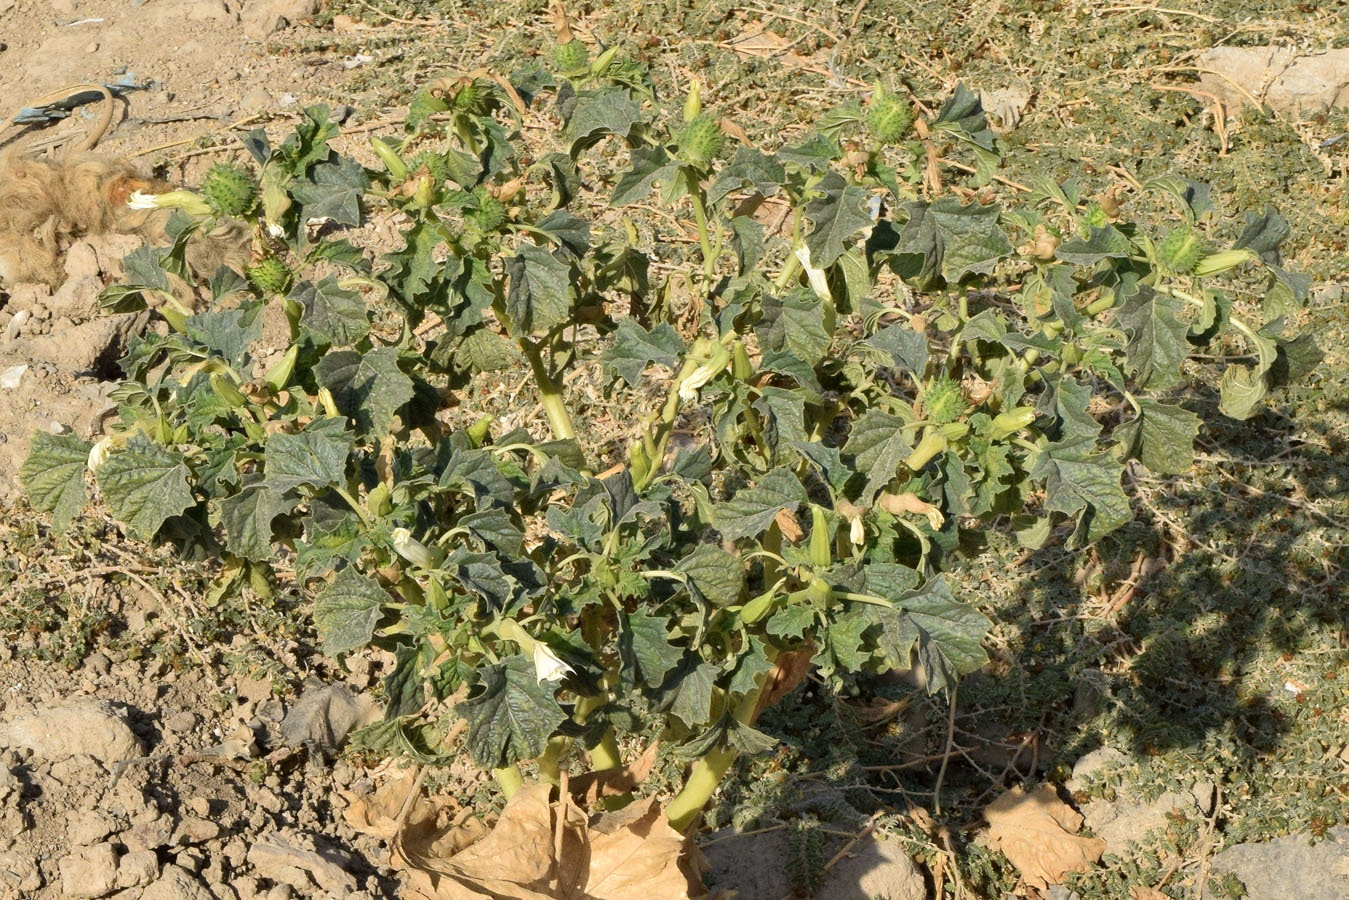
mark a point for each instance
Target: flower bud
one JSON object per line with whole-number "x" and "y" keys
{"x": 411, "y": 549}
{"x": 98, "y": 454}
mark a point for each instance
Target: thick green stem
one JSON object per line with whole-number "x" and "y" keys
{"x": 550, "y": 769}
{"x": 605, "y": 756}
{"x": 707, "y": 772}
{"x": 510, "y": 779}
{"x": 704, "y": 239}
{"x": 550, "y": 393}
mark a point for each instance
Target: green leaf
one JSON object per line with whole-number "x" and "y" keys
{"x": 405, "y": 686}
{"x": 347, "y": 611}
{"x": 1157, "y": 341}
{"x": 540, "y": 291}
{"x": 751, "y": 510}
{"x": 1161, "y": 436}
{"x": 510, "y": 714}
{"x": 1241, "y": 391}
{"x": 247, "y": 517}
{"x": 1263, "y": 234}
{"x": 791, "y": 622}
{"x": 1078, "y": 480}
{"x": 905, "y": 346}
{"x": 687, "y": 693}
{"x": 145, "y": 484}
{"x": 611, "y": 111}
{"x": 571, "y": 232}
{"x": 963, "y": 114}
{"x": 713, "y": 573}
{"x": 333, "y": 191}
{"x": 747, "y": 237}
{"x": 839, "y": 216}
{"x": 749, "y": 168}
{"x": 369, "y": 387}
{"x": 877, "y": 445}
{"x": 53, "y": 476}
{"x": 1193, "y": 195}
{"x": 308, "y": 144}
{"x": 334, "y": 315}
{"x": 634, "y": 348}
{"x": 645, "y": 648}
{"x": 815, "y": 153}
{"x": 971, "y": 241}
{"x": 797, "y": 324}
{"x": 494, "y": 527}
{"x": 949, "y": 633}
{"x": 841, "y": 646}
{"x": 316, "y": 456}
{"x": 1104, "y": 242}
{"x": 650, "y": 165}
{"x": 228, "y": 333}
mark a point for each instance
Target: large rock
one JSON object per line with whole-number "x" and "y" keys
{"x": 87, "y": 727}
{"x": 176, "y": 883}
{"x": 752, "y": 865}
{"x": 1129, "y": 818}
{"x": 1291, "y": 867}
{"x": 1277, "y": 76}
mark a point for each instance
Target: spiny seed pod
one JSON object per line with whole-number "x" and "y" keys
{"x": 490, "y": 214}
{"x": 271, "y": 275}
{"x": 942, "y": 401}
{"x": 230, "y": 190}
{"x": 572, "y": 57}
{"x": 474, "y": 98}
{"x": 434, "y": 163}
{"x": 888, "y": 117}
{"x": 701, "y": 140}
{"x": 1179, "y": 251}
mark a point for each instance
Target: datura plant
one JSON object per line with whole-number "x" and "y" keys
{"x": 875, "y": 355}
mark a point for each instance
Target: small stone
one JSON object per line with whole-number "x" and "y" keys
{"x": 137, "y": 869}
{"x": 194, "y": 830}
{"x": 1291, "y": 867}
{"x": 181, "y": 722}
{"x": 281, "y": 892}
{"x": 175, "y": 883}
{"x": 875, "y": 868}
{"x": 20, "y": 872}
{"x": 90, "y": 827}
{"x": 89, "y": 872}
{"x": 150, "y": 833}
{"x": 279, "y": 859}
{"x": 199, "y": 806}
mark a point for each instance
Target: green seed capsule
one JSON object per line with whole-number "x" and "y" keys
{"x": 701, "y": 141}
{"x": 888, "y": 117}
{"x": 942, "y": 401}
{"x": 1179, "y": 251}
{"x": 270, "y": 276}
{"x": 572, "y": 58}
{"x": 230, "y": 190}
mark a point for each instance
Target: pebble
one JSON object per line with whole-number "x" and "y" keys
{"x": 89, "y": 872}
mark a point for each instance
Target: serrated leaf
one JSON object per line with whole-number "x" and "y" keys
{"x": 347, "y": 611}
{"x": 749, "y": 168}
{"x": 650, "y": 166}
{"x": 791, "y": 622}
{"x": 634, "y": 348}
{"x": 971, "y": 241}
{"x": 687, "y": 692}
{"x": 405, "y": 686}
{"x": 228, "y": 333}
{"x": 570, "y": 231}
{"x": 840, "y": 215}
{"x": 963, "y": 114}
{"x": 1264, "y": 233}
{"x": 247, "y": 518}
{"x": 476, "y": 471}
{"x": 814, "y": 153}
{"x": 714, "y": 574}
{"x": 906, "y": 347}
{"x": 948, "y": 633}
{"x": 316, "y": 456}
{"x": 143, "y": 485}
{"x": 370, "y": 388}
{"x": 1103, "y": 242}
{"x": 1161, "y": 436}
{"x": 841, "y": 646}
{"x": 333, "y": 191}
{"x": 495, "y": 528}
{"x": 53, "y": 476}
{"x": 644, "y": 645}
{"x": 1241, "y": 391}
{"x": 510, "y": 714}
{"x": 877, "y": 445}
{"x": 796, "y": 324}
{"x": 747, "y": 238}
{"x": 144, "y": 267}
{"x": 611, "y": 111}
{"x": 1157, "y": 341}
{"x": 1193, "y": 195}
{"x": 540, "y": 291}
{"x": 334, "y": 315}
{"x": 751, "y": 510}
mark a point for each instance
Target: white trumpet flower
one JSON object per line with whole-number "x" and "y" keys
{"x": 548, "y": 665}
{"x": 411, "y": 549}
{"x": 98, "y": 454}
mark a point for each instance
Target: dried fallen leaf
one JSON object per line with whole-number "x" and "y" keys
{"x": 764, "y": 43}
{"x": 588, "y": 789}
{"x": 1138, "y": 892}
{"x": 790, "y": 528}
{"x": 538, "y": 850}
{"x": 789, "y": 670}
{"x": 1037, "y": 832}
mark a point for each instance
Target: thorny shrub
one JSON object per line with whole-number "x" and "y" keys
{"x": 907, "y": 363}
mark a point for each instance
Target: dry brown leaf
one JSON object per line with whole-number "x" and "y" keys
{"x": 766, "y": 44}
{"x": 789, "y": 669}
{"x": 538, "y": 850}
{"x": 1138, "y": 892}
{"x": 1037, "y": 832}
{"x": 586, "y": 790}
{"x": 790, "y": 528}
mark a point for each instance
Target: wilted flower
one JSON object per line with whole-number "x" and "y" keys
{"x": 857, "y": 532}
{"x": 548, "y": 665}
{"x": 98, "y": 454}
{"x": 411, "y": 549}
{"x": 187, "y": 201}
{"x": 688, "y": 388}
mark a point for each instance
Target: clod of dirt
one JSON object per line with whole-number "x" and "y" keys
{"x": 262, "y": 18}
{"x": 1291, "y": 866}
{"x": 875, "y": 868}
{"x": 176, "y": 883}
{"x": 89, "y": 871}
{"x": 1278, "y": 77}
{"x": 324, "y": 716}
{"x": 284, "y": 860}
{"x": 90, "y": 727}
